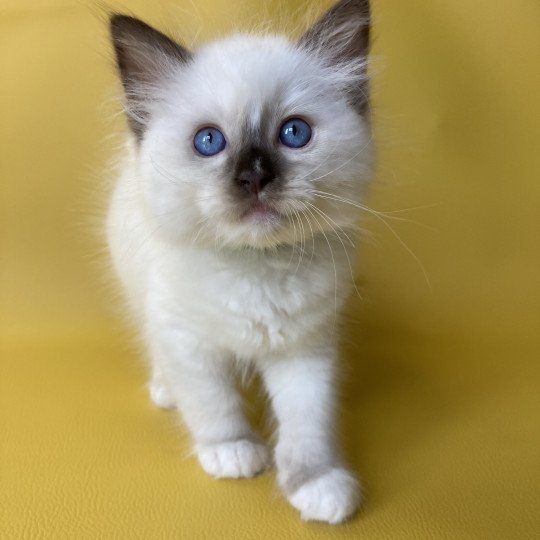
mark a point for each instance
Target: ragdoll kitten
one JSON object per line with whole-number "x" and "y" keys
{"x": 232, "y": 230}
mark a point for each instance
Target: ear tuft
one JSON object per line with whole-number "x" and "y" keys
{"x": 341, "y": 37}
{"x": 144, "y": 57}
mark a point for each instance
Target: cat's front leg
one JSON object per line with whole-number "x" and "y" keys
{"x": 302, "y": 390}
{"x": 202, "y": 386}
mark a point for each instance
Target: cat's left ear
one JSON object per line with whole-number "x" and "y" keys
{"x": 145, "y": 57}
{"x": 341, "y": 36}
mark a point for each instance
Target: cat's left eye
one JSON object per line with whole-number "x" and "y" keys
{"x": 209, "y": 141}
{"x": 295, "y": 133}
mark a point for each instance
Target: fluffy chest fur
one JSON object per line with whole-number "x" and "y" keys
{"x": 249, "y": 303}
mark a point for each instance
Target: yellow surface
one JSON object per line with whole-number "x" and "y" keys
{"x": 441, "y": 397}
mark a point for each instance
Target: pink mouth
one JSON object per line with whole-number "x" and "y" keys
{"x": 261, "y": 213}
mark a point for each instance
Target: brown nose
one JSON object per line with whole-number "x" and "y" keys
{"x": 253, "y": 181}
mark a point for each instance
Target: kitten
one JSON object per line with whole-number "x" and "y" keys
{"x": 232, "y": 231}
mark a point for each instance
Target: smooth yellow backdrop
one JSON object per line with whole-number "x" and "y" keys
{"x": 441, "y": 398}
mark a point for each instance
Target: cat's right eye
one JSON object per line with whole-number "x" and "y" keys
{"x": 209, "y": 141}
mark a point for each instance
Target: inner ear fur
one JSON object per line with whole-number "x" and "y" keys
{"x": 143, "y": 56}
{"x": 342, "y": 35}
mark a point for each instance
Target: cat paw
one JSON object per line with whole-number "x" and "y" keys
{"x": 234, "y": 459}
{"x": 161, "y": 395}
{"x": 332, "y": 497}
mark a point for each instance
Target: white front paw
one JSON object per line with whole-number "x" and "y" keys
{"x": 233, "y": 459}
{"x": 332, "y": 497}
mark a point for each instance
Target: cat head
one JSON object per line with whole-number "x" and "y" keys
{"x": 251, "y": 140}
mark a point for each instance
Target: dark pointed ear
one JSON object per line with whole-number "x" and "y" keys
{"x": 145, "y": 58}
{"x": 341, "y": 35}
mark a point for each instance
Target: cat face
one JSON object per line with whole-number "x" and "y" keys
{"x": 250, "y": 141}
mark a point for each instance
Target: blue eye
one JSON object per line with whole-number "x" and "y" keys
{"x": 209, "y": 141}
{"x": 295, "y": 133}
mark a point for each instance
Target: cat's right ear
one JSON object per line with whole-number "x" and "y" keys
{"x": 145, "y": 57}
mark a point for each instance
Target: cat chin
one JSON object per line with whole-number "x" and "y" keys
{"x": 259, "y": 226}
{"x": 255, "y": 231}
{"x": 260, "y": 236}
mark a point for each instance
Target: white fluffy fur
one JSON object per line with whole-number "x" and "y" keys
{"x": 212, "y": 291}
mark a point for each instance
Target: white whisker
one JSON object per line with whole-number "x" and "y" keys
{"x": 328, "y": 220}
{"x": 387, "y": 225}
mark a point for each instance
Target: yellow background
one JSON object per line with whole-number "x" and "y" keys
{"x": 441, "y": 395}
